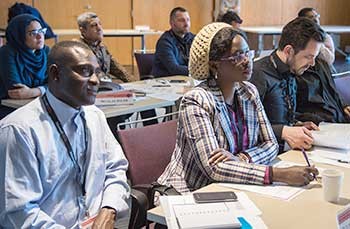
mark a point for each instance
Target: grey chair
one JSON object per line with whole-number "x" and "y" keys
{"x": 342, "y": 83}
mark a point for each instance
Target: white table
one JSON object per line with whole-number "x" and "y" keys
{"x": 308, "y": 210}
{"x": 261, "y": 31}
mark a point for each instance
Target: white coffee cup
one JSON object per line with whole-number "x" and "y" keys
{"x": 332, "y": 182}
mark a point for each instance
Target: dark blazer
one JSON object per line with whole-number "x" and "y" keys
{"x": 172, "y": 54}
{"x": 317, "y": 96}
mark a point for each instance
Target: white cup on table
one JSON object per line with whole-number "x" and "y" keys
{"x": 332, "y": 182}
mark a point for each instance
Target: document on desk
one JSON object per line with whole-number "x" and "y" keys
{"x": 276, "y": 190}
{"x": 244, "y": 207}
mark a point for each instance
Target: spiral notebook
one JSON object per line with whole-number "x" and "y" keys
{"x": 208, "y": 215}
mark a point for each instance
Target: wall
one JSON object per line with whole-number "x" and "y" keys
{"x": 280, "y": 12}
{"x": 124, "y": 14}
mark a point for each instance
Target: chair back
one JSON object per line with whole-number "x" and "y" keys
{"x": 343, "y": 84}
{"x": 144, "y": 62}
{"x": 148, "y": 150}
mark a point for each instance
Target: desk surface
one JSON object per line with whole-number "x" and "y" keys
{"x": 308, "y": 210}
{"x": 278, "y": 29}
{"x": 106, "y": 32}
{"x": 112, "y": 111}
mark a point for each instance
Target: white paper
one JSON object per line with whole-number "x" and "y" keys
{"x": 160, "y": 89}
{"x": 331, "y": 153}
{"x": 335, "y": 135}
{"x": 323, "y": 160}
{"x": 276, "y": 190}
{"x": 166, "y": 96}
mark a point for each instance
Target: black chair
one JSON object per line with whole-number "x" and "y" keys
{"x": 144, "y": 60}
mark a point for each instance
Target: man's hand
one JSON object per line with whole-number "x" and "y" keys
{"x": 220, "y": 155}
{"x": 22, "y": 91}
{"x": 297, "y": 137}
{"x": 295, "y": 175}
{"x": 308, "y": 125}
{"x": 105, "y": 219}
{"x": 347, "y": 111}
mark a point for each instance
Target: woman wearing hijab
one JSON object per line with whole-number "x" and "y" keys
{"x": 223, "y": 132}
{"x": 23, "y": 59}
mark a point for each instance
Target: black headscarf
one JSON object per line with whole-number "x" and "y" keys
{"x": 30, "y": 63}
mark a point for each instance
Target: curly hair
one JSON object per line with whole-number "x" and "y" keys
{"x": 299, "y": 32}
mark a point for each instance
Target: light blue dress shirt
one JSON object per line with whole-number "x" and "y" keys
{"x": 38, "y": 183}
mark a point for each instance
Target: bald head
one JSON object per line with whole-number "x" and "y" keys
{"x": 60, "y": 53}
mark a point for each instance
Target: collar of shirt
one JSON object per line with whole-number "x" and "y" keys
{"x": 281, "y": 68}
{"x": 64, "y": 112}
{"x": 94, "y": 44}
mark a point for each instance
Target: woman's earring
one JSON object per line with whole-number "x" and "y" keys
{"x": 216, "y": 75}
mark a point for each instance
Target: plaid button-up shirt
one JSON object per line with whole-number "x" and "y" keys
{"x": 204, "y": 125}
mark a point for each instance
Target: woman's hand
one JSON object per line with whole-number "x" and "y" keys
{"x": 220, "y": 155}
{"x": 22, "y": 91}
{"x": 294, "y": 175}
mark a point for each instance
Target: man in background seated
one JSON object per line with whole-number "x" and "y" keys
{"x": 60, "y": 164}
{"x": 173, "y": 47}
{"x": 234, "y": 20}
{"x": 92, "y": 34}
{"x": 274, "y": 77}
{"x": 327, "y": 50}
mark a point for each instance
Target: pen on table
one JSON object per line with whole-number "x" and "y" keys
{"x": 162, "y": 85}
{"x": 343, "y": 161}
{"x": 307, "y": 161}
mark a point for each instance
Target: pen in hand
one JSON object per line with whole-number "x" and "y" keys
{"x": 308, "y": 162}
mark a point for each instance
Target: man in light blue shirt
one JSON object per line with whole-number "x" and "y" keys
{"x": 59, "y": 162}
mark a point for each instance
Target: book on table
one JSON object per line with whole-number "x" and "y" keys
{"x": 107, "y": 98}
